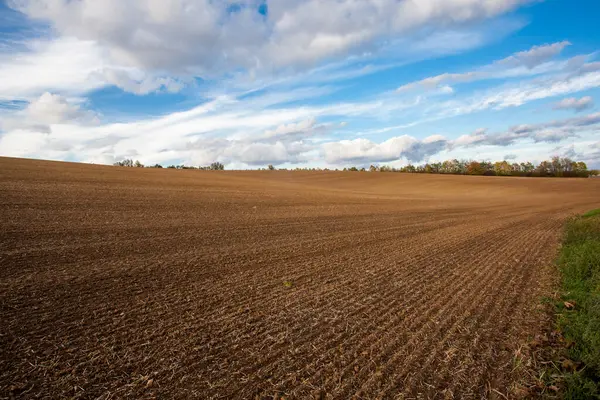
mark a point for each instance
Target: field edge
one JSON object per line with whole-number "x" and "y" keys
{"x": 566, "y": 359}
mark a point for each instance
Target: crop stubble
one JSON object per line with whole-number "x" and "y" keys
{"x": 121, "y": 282}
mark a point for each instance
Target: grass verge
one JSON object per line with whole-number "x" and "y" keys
{"x": 592, "y": 213}
{"x": 579, "y": 309}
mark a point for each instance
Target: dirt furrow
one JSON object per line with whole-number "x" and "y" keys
{"x": 125, "y": 283}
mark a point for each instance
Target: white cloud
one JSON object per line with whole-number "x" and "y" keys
{"x": 133, "y": 81}
{"x": 577, "y": 105}
{"x": 222, "y": 129}
{"x": 49, "y": 109}
{"x": 23, "y": 143}
{"x": 364, "y": 151}
{"x": 535, "y": 56}
{"x": 548, "y": 132}
{"x": 66, "y": 66}
{"x": 510, "y": 66}
{"x": 70, "y": 67}
{"x": 239, "y": 134}
{"x": 446, "y": 89}
{"x": 53, "y": 109}
{"x": 206, "y": 37}
{"x": 518, "y": 94}
{"x": 591, "y": 155}
{"x": 140, "y": 45}
{"x": 544, "y": 88}
{"x": 260, "y": 153}
{"x": 292, "y": 130}
{"x": 395, "y": 148}
{"x": 588, "y": 152}
{"x": 432, "y": 107}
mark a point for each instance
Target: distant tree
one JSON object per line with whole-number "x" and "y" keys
{"x": 544, "y": 169}
{"x": 462, "y": 167}
{"x": 527, "y": 168}
{"x": 515, "y": 169}
{"x": 475, "y": 168}
{"x": 580, "y": 169}
{"x": 556, "y": 166}
{"x": 217, "y": 166}
{"x": 409, "y": 168}
{"x": 449, "y": 167}
{"x": 271, "y": 167}
{"x": 503, "y": 168}
{"x": 352, "y": 169}
{"x": 125, "y": 163}
{"x": 138, "y": 164}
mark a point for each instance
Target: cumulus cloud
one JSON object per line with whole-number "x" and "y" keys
{"x": 53, "y": 109}
{"x": 49, "y": 109}
{"x": 31, "y": 131}
{"x": 395, "y": 148}
{"x": 478, "y": 137}
{"x": 529, "y": 59}
{"x": 40, "y": 67}
{"x": 575, "y": 104}
{"x": 208, "y": 37}
{"x": 285, "y": 143}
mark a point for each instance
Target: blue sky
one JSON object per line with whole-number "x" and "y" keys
{"x": 299, "y": 82}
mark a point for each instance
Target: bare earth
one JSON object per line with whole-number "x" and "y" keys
{"x": 144, "y": 283}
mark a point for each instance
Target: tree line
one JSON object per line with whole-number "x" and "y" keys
{"x": 562, "y": 167}
{"x": 556, "y": 167}
{"x": 216, "y": 166}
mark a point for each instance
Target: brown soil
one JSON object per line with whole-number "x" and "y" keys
{"x": 145, "y": 283}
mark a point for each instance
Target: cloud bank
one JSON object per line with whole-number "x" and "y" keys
{"x": 206, "y": 37}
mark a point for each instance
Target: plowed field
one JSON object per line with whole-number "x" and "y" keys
{"x": 145, "y": 283}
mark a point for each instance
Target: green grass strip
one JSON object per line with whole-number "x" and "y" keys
{"x": 579, "y": 312}
{"x": 592, "y": 213}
